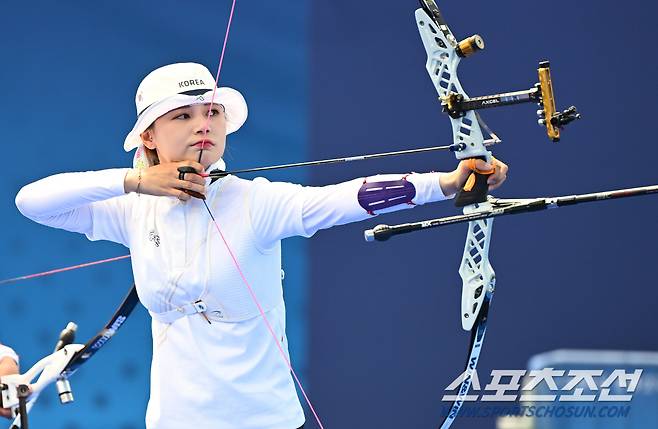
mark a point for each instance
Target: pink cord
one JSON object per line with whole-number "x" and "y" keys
{"x": 219, "y": 69}
{"x": 228, "y": 248}
{"x": 61, "y": 270}
{"x": 269, "y": 326}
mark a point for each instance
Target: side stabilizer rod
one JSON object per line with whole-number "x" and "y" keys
{"x": 503, "y": 207}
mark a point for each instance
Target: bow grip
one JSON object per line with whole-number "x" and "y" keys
{"x": 476, "y": 188}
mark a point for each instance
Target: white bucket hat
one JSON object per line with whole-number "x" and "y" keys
{"x": 176, "y": 85}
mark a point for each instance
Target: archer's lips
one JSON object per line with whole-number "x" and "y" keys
{"x": 203, "y": 144}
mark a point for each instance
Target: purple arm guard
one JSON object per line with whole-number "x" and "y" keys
{"x": 380, "y": 195}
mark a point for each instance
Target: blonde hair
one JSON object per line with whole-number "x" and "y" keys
{"x": 151, "y": 154}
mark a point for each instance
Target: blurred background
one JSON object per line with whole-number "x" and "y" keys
{"x": 374, "y": 329}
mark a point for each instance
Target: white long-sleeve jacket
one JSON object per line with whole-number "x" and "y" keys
{"x": 227, "y": 374}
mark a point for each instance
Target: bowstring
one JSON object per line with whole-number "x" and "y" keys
{"x": 228, "y": 247}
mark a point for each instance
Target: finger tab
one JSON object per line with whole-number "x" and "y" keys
{"x": 185, "y": 169}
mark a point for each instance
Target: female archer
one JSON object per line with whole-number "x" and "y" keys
{"x": 215, "y": 363}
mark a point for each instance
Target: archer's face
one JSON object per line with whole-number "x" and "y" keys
{"x": 181, "y": 134}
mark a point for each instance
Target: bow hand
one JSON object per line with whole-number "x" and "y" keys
{"x": 472, "y": 179}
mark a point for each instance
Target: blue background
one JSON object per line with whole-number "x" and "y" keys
{"x": 374, "y": 328}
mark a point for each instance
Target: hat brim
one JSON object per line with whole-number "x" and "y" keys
{"x": 234, "y": 104}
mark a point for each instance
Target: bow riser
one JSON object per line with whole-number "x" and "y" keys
{"x": 442, "y": 63}
{"x": 478, "y": 277}
{"x": 443, "y": 58}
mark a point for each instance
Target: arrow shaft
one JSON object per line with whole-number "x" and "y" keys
{"x": 454, "y": 148}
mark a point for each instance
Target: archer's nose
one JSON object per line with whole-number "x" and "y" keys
{"x": 203, "y": 126}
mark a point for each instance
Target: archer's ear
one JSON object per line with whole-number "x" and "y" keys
{"x": 148, "y": 138}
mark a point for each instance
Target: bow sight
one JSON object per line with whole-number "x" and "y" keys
{"x": 456, "y": 105}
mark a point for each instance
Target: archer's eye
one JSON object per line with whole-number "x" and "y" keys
{"x": 214, "y": 112}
